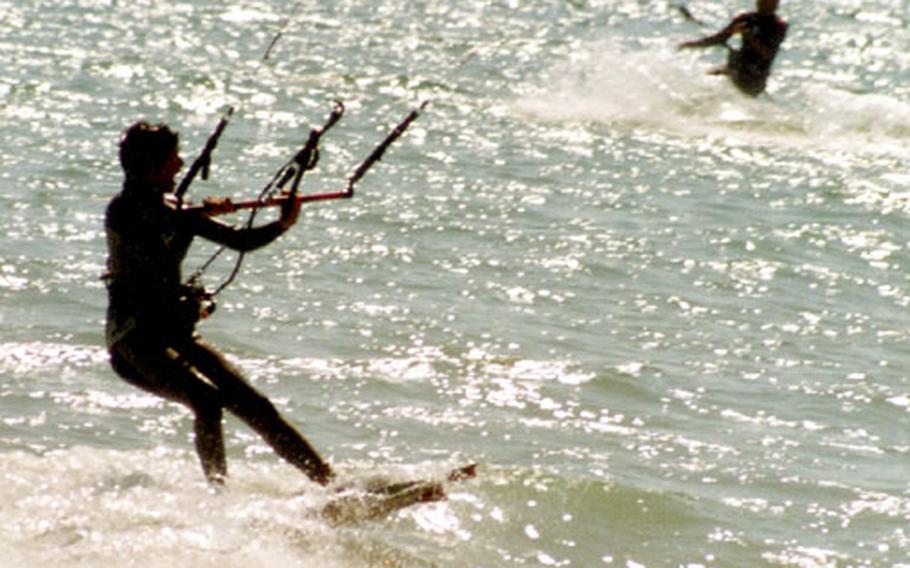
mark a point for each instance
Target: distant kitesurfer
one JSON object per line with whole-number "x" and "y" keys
{"x": 762, "y": 33}
{"x": 152, "y": 314}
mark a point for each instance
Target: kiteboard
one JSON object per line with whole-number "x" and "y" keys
{"x": 380, "y": 499}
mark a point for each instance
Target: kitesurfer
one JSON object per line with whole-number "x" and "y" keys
{"x": 152, "y": 314}
{"x": 762, "y": 33}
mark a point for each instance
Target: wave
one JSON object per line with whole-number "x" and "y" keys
{"x": 94, "y": 507}
{"x": 669, "y": 91}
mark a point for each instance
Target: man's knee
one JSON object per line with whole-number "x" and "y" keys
{"x": 118, "y": 364}
{"x": 207, "y": 410}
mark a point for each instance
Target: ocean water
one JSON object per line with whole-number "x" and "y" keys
{"x": 668, "y": 322}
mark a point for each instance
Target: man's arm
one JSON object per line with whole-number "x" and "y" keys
{"x": 241, "y": 239}
{"x": 720, "y": 38}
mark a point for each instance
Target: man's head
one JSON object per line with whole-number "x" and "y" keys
{"x": 147, "y": 150}
{"x": 766, "y": 6}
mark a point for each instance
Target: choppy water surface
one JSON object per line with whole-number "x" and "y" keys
{"x": 670, "y": 323}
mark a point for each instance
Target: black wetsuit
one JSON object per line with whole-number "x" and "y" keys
{"x": 749, "y": 66}
{"x": 151, "y": 321}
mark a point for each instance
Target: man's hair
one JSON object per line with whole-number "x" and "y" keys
{"x": 769, "y": 5}
{"x": 144, "y": 146}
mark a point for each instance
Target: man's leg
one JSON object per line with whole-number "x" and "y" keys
{"x": 161, "y": 371}
{"x": 257, "y": 411}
